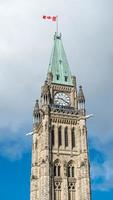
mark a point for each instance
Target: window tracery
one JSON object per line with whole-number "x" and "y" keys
{"x": 71, "y": 191}
{"x": 57, "y": 180}
{"x": 57, "y": 168}
{"x": 71, "y": 180}
{"x": 71, "y": 169}
{"x": 57, "y": 190}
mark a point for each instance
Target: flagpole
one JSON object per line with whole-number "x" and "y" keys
{"x": 57, "y": 24}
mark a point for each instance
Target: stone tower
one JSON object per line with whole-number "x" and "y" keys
{"x": 60, "y": 164}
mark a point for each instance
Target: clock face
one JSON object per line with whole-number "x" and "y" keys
{"x": 62, "y": 99}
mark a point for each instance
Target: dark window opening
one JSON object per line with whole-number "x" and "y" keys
{"x": 57, "y": 77}
{"x": 55, "y": 170}
{"x": 52, "y": 136}
{"x": 66, "y": 137}
{"x": 72, "y": 171}
{"x": 66, "y": 78}
{"x": 69, "y": 174}
{"x": 58, "y": 170}
{"x": 59, "y": 137}
{"x": 73, "y": 138}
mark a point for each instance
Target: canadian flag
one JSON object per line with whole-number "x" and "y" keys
{"x": 53, "y": 18}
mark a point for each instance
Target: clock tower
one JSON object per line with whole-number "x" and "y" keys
{"x": 60, "y": 164}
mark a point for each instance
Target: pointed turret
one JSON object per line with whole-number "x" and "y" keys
{"x": 81, "y": 99}
{"x": 58, "y": 66}
{"x": 36, "y": 112}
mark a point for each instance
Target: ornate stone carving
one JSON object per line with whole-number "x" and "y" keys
{"x": 65, "y": 168}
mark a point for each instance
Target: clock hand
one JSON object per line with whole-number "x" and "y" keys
{"x": 64, "y": 100}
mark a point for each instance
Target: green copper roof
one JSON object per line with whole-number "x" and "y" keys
{"x": 58, "y": 65}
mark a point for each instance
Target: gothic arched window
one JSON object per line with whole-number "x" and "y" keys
{"x": 70, "y": 169}
{"x": 57, "y": 182}
{"x": 71, "y": 182}
{"x": 59, "y": 136}
{"x": 66, "y": 136}
{"x": 73, "y": 137}
{"x": 57, "y": 168}
{"x": 52, "y": 136}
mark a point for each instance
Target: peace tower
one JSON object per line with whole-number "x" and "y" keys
{"x": 60, "y": 164}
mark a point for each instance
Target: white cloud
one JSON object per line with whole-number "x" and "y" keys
{"x": 104, "y": 173}
{"x": 101, "y": 168}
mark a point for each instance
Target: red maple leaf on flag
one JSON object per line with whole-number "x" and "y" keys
{"x": 53, "y": 18}
{"x": 48, "y": 17}
{"x": 44, "y": 17}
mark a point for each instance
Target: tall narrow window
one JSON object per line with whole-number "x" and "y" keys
{"x": 66, "y": 78}
{"x": 57, "y": 76}
{"x": 71, "y": 182}
{"x": 73, "y": 172}
{"x": 59, "y": 136}
{"x": 73, "y": 137}
{"x": 71, "y": 169}
{"x": 66, "y": 136}
{"x": 52, "y": 136}
{"x": 57, "y": 169}
{"x": 57, "y": 182}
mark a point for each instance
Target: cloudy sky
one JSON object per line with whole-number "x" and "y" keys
{"x": 25, "y": 46}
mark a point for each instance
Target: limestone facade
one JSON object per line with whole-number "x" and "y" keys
{"x": 60, "y": 164}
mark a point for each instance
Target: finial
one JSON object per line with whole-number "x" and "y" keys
{"x": 37, "y": 104}
{"x": 81, "y": 97}
{"x": 36, "y": 108}
{"x": 56, "y": 36}
{"x": 49, "y": 77}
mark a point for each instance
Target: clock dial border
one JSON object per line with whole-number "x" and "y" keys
{"x": 61, "y": 99}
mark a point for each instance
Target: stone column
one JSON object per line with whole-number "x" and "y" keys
{"x": 65, "y": 182}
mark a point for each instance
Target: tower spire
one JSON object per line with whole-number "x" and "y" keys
{"x": 58, "y": 64}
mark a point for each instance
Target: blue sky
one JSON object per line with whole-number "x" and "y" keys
{"x": 25, "y": 47}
